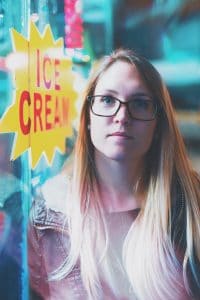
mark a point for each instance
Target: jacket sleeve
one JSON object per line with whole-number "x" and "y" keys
{"x": 49, "y": 243}
{"x": 37, "y": 271}
{"x": 44, "y": 241}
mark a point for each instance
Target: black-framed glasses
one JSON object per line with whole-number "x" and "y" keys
{"x": 139, "y": 108}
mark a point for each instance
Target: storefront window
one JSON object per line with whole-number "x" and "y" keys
{"x": 19, "y": 177}
{"x": 156, "y": 29}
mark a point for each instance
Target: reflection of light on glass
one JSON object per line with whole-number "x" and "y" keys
{"x": 2, "y": 63}
{"x": 34, "y": 17}
{"x": 79, "y": 86}
{"x": 55, "y": 53}
{"x": 4, "y": 229}
{"x": 78, "y": 7}
{"x": 16, "y": 61}
{"x": 77, "y": 55}
{"x": 86, "y": 58}
{"x": 70, "y": 51}
{"x": 2, "y": 14}
{"x": 54, "y": 6}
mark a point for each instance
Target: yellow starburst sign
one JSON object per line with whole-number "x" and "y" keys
{"x": 44, "y": 99}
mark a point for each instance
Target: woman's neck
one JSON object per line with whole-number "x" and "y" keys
{"x": 120, "y": 184}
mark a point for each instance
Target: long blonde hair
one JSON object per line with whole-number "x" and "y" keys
{"x": 162, "y": 247}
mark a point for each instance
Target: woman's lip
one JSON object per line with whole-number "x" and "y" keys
{"x": 120, "y": 134}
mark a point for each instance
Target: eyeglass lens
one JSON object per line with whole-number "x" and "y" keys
{"x": 141, "y": 108}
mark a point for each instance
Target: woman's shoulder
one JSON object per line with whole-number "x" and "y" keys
{"x": 55, "y": 192}
{"x": 49, "y": 207}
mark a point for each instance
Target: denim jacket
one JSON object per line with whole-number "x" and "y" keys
{"x": 48, "y": 244}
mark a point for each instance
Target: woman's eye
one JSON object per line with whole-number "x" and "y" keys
{"x": 108, "y": 100}
{"x": 141, "y": 103}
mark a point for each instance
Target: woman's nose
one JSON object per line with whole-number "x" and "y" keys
{"x": 122, "y": 115}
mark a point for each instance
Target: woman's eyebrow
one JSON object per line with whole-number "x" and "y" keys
{"x": 110, "y": 91}
{"x": 132, "y": 95}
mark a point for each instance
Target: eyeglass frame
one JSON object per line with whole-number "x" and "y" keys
{"x": 89, "y": 99}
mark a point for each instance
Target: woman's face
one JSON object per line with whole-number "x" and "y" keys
{"x": 120, "y": 137}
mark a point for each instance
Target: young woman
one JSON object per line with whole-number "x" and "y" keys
{"x": 126, "y": 224}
